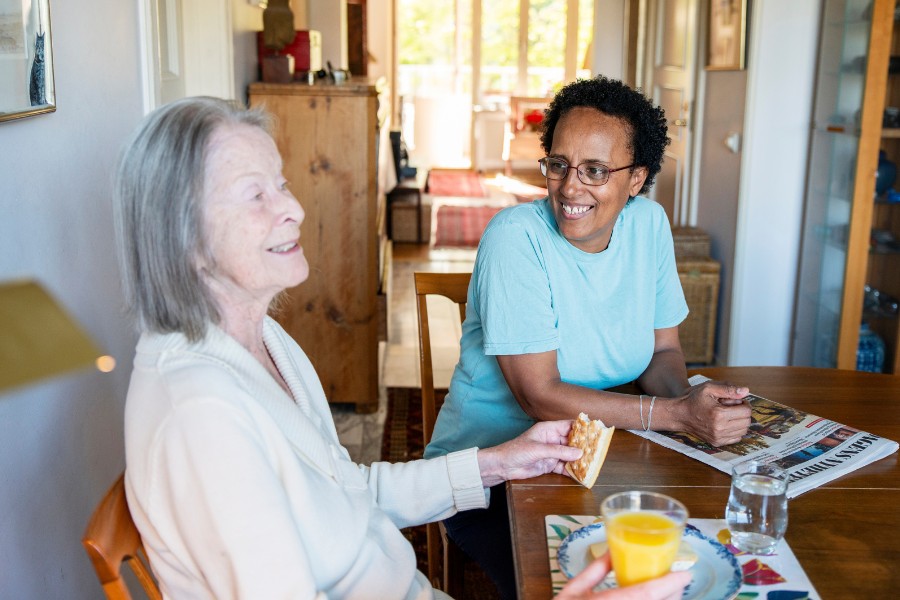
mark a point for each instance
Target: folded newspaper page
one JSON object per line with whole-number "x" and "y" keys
{"x": 812, "y": 449}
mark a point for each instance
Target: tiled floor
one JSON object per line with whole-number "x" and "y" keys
{"x": 361, "y": 434}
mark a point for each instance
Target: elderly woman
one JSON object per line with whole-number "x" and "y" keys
{"x": 572, "y": 295}
{"x": 235, "y": 476}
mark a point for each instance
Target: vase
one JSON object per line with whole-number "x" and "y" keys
{"x": 886, "y": 174}
{"x": 870, "y": 351}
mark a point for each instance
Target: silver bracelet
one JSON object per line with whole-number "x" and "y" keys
{"x": 650, "y": 414}
{"x": 644, "y": 427}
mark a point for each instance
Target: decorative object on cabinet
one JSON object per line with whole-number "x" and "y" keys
{"x": 305, "y": 49}
{"x": 837, "y": 259}
{"x": 886, "y": 174}
{"x": 357, "y": 38}
{"x": 26, "y": 55}
{"x": 870, "y": 351}
{"x": 727, "y": 35}
{"x": 334, "y": 141}
{"x": 891, "y": 117}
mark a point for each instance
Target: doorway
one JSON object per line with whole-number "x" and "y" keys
{"x": 188, "y": 50}
{"x": 670, "y": 76}
{"x": 462, "y": 62}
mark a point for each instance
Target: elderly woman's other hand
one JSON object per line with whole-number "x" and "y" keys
{"x": 716, "y": 412}
{"x": 541, "y": 449}
{"x": 667, "y": 587}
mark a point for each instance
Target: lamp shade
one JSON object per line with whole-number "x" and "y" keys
{"x": 38, "y": 338}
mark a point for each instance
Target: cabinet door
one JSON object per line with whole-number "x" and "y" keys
{"x": 881, "y": 303}
{"x": 328, "y": 146}
{"x": 840, "y": 183}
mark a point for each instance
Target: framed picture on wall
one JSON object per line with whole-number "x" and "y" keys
{"x": 26, "y": 59}
{"x": 727, "y": 35}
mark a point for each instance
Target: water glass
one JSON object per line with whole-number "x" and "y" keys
{"x": 757, "y": 511}
{"x": 643, "y": 531}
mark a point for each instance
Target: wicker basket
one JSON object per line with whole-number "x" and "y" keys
{"x": 403, "y": 221}
{"x": 700, "y": 282}
{"x": 690, "y": 242}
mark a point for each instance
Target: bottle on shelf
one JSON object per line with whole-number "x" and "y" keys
{"x": 870, "y": 352}
{"x": 886, "y": 174}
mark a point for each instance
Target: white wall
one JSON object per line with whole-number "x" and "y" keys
{"x": 608, "y": 48}
{"x": 246, "y": 20}
{"x": 61, "y": 440}
{"x": 330, "y": 18}
{"x": 718, "y": 182}
{"x": 781, "y": 69}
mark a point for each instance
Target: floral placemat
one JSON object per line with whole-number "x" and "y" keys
{"x": 775, "y": 577}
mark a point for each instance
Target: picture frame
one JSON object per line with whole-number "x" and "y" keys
{"x": 726, "y": 44}
{"x": 26, "y": 60}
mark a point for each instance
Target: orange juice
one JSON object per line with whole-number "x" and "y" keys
{"x": 642, "y": 545}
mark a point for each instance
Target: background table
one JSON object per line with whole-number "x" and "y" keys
{"x": 846, "y": 534}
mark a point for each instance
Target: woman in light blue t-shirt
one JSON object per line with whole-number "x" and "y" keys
{"x": 572, "y": 295}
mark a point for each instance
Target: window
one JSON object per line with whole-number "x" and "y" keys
{"x": 489, "y": 50}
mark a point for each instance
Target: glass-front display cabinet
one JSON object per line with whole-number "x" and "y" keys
{"x": 851, "y": 88}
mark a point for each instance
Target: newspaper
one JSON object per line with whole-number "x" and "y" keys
{"x": 812, "y": 449}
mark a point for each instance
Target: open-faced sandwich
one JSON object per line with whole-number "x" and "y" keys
{"x": 593, "y": 438}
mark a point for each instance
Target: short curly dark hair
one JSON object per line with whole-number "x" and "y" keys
{"x": 649, "y": 133}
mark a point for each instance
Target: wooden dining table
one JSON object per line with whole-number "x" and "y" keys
{"x": 845, "y": 533}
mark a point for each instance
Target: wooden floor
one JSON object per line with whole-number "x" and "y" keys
{"x": 362, "y": 434}
{"x": 401, "y": 356}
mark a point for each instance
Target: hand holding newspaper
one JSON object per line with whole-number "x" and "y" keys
{"x": 813, "y": 450}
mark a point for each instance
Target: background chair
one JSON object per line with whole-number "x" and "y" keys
{"x": 111, "y": 540}
{"x": 454, "y": 286}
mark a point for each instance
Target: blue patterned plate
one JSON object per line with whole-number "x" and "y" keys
{"x": 715, "y": 576}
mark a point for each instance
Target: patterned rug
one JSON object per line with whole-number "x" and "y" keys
{"x": 458, "y": 183}
{"x": 403, "y": 441}
{"x": 461, "y": 226}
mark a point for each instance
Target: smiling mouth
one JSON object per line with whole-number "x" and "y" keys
{"x": 575, "y": 210}
{"x": 282, "y": 249}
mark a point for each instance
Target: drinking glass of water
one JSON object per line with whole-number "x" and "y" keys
{"x": 757, "y": 513}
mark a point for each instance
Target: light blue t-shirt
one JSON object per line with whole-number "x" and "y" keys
{"x": 533, "y": 291}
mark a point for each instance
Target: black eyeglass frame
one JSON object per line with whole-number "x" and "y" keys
{"x": 581, "y": 176}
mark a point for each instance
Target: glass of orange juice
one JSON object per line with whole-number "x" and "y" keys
{"x": 643, "y": 531}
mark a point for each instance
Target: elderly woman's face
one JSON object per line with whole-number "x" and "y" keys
{"x": 586, "y": 214}
{"x": 251, "y": 220}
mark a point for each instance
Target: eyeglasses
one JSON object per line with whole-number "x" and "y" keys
{"x": 589, "y": 173}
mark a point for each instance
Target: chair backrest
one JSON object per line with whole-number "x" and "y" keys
{"x": 454, "y": 286}
{"x": 111, "y": 540}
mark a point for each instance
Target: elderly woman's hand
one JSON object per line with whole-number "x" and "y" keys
{"x": 541, "y": 449}
{"x": 667, "y": 587}
{"x": 716, "y": 412}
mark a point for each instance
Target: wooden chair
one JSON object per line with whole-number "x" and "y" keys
{"x": 454, "y": 286}
{"x": 111, "y": 540}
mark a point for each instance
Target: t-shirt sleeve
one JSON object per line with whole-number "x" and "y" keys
{"x": 671, "y": 307}
{"x": 512, "y": 292}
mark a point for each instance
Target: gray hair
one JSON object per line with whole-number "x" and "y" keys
{"x": 158, "y": 211}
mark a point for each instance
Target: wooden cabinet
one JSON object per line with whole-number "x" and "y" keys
{"x": 883, "y": 272}
{"x": 331, "y": 140}
{"x": 837, "y": 258}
